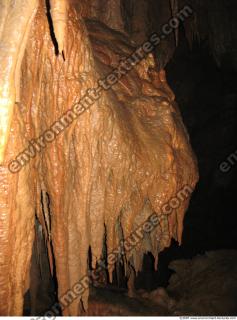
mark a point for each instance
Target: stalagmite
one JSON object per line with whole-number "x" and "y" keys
{"x": 105, "y": 171}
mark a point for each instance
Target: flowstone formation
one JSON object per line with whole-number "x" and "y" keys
{"x": 92, "y": 179}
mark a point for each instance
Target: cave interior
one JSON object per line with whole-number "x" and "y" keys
{"x": 194, "y": 271}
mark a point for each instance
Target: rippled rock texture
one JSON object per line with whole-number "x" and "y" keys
{"x": 95, "y": 183}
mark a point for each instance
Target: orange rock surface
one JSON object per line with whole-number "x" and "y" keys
{"x": 112, "y": 167}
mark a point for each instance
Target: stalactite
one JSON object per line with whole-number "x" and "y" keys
{"x": 13, "y": 29}
{"x": 59, "y": 13}
{"x": 174, "y": 4}
{"x": 118, "y": 163}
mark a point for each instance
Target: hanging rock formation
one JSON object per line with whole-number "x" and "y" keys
{"x": 95, "y": 176}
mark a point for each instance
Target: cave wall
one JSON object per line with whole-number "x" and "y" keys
{"x": 109, "y": 171}
{"x": 83, "y": 162}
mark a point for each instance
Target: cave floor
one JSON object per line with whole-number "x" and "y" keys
{"x": 205, "y": 285}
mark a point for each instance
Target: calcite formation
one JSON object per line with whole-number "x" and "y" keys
{"x": 113, "y": 166}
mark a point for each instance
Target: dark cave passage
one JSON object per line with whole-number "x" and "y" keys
{"x": 207, "y": 98}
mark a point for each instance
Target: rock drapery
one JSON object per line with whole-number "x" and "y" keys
{"x": 114, "y": 166}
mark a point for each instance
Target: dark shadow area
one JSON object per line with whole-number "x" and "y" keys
{"x": 42, "y": 293}
{"x": 207, "y": 98}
